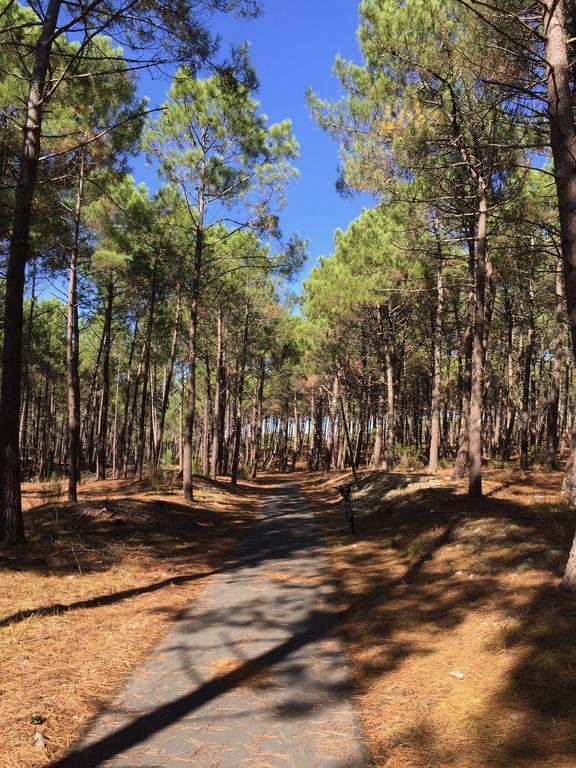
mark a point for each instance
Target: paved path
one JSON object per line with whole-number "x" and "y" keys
{"x": 253, "y": 676}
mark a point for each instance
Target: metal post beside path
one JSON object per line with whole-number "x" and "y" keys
{"x": 346, "y": 491}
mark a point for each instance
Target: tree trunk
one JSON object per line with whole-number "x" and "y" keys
{"x": 347, "y": 434}
{"x": 332, "y": 411}
{"x": 358, "y": 449}
{"x": 563, "y": 142}
{"x": 436, "y": 378}
{"x": 168, "y": 382}
{"x": 528, "y": 355}
{"x": 554, "y": 395}
{"x": 478, "y": 352}
{"x": 192, "y": 353}
{"x": 122, "y": 437}
{"x": 41, "y": 443}
{"x": 219, "y": 401}
{"x": 390, "y": 447}
{"x": 463, "y": 455}
{"x": 385, "y": 333}
{"x": 505, "y": 446}
{"x": 103, "y": 425}
{"x": 115, "y": 427}
{"x": 132, "y": 413}
{"x": 376, "y": 459}
{"x": 145, "y": 375}
{"x": 11, "y": 519}
{"x": 72, "y": 349}
{"x": 257, "y": 417}
{"x": 26, "y": 377}
{"x": 87, "y": 428}
{"x": 240, "y": 399}
{"x": 317, "y": 438}
{"x": 208, "y": 418}
{"x": 298, "y": 435}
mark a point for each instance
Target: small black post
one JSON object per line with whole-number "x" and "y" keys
{"x": 346, "y": 491}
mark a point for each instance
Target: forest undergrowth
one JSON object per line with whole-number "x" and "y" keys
{"x": 97, "y": 585}
{"x": 462, "y": 643}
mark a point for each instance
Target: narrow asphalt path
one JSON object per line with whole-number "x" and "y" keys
{"x": 254, "y": 675}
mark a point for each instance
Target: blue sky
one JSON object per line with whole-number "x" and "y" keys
{"x": 293, "y": 46}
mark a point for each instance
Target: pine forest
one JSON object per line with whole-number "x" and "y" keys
{"x": 314, "y": 372}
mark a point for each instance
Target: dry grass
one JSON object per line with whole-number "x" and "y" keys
{"x": 435, "y": 584}
{"x": 96, "y": 586}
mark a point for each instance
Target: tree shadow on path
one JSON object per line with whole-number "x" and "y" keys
{"x": 287, "y": 540}
{"x": 318, "y": 626}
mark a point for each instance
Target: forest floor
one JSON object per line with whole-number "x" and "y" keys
{"x": 97, "y": 585}
{"x": 434, "y": 584}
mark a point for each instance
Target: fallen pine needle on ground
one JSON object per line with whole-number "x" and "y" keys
{"x": 95, "y": 587}
{"x": 463, "y": 645}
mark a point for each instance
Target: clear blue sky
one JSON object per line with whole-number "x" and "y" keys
{"x": 293, "y": 46}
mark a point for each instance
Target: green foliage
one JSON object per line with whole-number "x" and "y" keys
{"x": 215, "y": 148}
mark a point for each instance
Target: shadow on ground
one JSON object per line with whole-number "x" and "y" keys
{"x": 428, "y": 564}
{"x": 256, "y": 665}
{"x": 432, "y": 572}
{"x": 115, "y": 520}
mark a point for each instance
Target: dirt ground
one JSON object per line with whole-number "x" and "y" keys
{"x": 94, "y": 589}
{"x": 464, "y": 647}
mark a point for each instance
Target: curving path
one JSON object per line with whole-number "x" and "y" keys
{"x": 254, "y": 675}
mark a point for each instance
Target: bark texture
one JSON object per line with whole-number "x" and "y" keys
{"x": 563, "y": 142}
{"x": 11, "y": 519}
